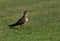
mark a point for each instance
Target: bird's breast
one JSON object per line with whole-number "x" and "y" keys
{"x": 26, "y": 19}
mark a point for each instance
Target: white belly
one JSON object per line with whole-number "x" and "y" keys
{"x": 26, "y": 20}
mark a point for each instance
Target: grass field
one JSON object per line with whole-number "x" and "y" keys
{"x": 43, "y": 25}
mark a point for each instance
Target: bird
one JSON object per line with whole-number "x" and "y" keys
{"x": 22, "y": 20}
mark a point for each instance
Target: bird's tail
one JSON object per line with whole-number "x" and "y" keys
{"x": 12, "y": 25}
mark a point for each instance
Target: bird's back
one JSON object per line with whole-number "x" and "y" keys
{"x": 21, "y": 21}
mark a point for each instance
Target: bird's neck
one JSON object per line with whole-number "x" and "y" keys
{"x": 25, "y": 15}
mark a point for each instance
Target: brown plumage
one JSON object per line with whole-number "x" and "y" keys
{"x": 22, "y": 20}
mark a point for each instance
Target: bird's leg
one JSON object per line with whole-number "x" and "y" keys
{"x": 22, "y": 27}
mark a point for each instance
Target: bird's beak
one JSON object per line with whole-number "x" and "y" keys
{"x": 29, "y": 11}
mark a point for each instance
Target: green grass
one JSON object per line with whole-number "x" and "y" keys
{"x": 43, "y": 25}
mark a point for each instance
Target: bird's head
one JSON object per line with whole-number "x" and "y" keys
{"x": 26, "y": 12}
